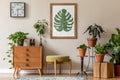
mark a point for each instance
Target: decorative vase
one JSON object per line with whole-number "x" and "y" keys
{"x": 40, "y": 41}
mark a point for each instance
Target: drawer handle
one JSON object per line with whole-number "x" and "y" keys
{"x": 27, "y": 64}
{"x": 27, "y": 54}
{"x": 27, "y": 49}
{"x": 27, "y": 59}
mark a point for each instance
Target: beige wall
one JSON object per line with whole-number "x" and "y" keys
{"x": 103, "y": 12}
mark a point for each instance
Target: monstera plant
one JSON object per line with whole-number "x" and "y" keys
{"x": 63, "y": 21}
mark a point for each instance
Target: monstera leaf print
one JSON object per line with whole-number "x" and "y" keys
{"x": 63, "y": 20}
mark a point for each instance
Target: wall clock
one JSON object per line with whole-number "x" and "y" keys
{"x": 17, "y": 9}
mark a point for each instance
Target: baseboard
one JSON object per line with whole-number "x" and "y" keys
{"x": 6, "y": 70}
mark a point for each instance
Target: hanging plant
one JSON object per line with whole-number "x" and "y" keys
{"x": 17, "y": 39}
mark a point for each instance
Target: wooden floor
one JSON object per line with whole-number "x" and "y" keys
{"x": 10, "y": 77}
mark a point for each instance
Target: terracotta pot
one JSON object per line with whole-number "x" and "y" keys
{"x": 117, "y": 70}
{"x": 92, "y": 42}
{"x": 82, "y": 52}
{"x": 99, "y": 57}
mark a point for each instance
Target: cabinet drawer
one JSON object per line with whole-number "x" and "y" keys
{"x": 25, "y": 59}
{"x": 27, "y": 51}
{"x": 26, "y": 54}
{"x": 26, "y": 65}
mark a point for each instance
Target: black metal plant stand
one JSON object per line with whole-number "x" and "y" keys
{"x": 82, "y": 73}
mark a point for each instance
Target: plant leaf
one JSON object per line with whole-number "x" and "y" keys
{"x": 63, "y": 21}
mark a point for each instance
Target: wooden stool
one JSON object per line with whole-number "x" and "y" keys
{"x": 58, "y": 59}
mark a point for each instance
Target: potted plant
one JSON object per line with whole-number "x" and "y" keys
{"x": 41, "y": 26}
{"x": 18, "y": 38}
{"x": 82, "y": 50}
{"x": 94, "y": 31}
{"x": 100, "y": 51}
{"x": 114, "y": 47}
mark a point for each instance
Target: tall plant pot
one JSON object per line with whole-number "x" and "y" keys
{"x": 117, "y": 69}
{"x": 92, "y": 42}
{"x": 99, "y": 57}
{"x": 82, "y": 52}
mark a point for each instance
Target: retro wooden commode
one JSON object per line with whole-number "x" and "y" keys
{"x": 27, "y": 57}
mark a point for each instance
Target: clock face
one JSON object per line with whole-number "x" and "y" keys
{"x": 17, "y": 9}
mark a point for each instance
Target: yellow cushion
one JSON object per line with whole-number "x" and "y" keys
{"x": 58, "y": 58}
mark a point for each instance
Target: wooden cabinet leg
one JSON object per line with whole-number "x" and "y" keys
{"x": 45, "y": 68}
{"x": 40, "y": 72}
{"x": 55, "y": 67}
{"x": 60, "y": 68}
{"x": 17, "y": 72}
{"x": 14, "y": 72}
{"x": 70, "y": 67}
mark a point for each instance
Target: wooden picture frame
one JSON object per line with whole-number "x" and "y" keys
{"x": 63, "y": 20}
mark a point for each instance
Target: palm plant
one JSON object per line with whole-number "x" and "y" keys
{"x": 40, "y": 27}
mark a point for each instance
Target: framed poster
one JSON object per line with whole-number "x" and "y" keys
{"x": 63, "y": 20}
